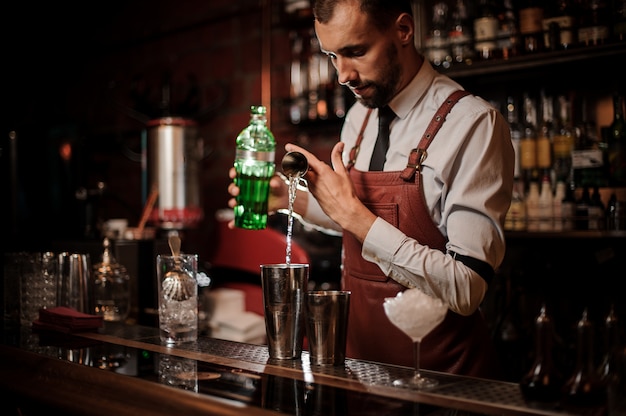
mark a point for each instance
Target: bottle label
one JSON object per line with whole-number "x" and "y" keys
{"x": 543, "y": 152}
{"x": 593, "y": 35}
{"x": 565, "y": 24}
{"x": 254, "y": 155}
{"x": 530, "y": 20}
{"x": 562, "y": 145}
{"x": 528, "y": 154}
{"x": 583, "y": 159}
{"x": 485, "y": 28}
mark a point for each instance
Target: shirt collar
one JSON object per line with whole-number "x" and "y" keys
{"x": 414, "y": 91}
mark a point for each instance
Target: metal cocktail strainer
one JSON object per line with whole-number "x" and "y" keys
{"x": 177, "y": 285}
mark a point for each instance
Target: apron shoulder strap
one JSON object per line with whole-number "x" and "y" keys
{"x": 418, "y": 155}
{"x": 354, "y": 152}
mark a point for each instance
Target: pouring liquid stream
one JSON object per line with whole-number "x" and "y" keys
{"x": 294, "y": 165}
{"x": 293, "y": 187}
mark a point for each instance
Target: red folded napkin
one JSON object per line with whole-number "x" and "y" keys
{"x": 65, "y": 319}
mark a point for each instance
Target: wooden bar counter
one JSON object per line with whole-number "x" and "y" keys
{"x": 124, "y": 370}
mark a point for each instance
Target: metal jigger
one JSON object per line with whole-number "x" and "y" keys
{"x": 294, "y": 164}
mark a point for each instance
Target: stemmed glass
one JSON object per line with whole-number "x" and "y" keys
{"x": 416, "y": 314}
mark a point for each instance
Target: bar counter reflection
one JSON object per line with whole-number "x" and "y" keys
{"x": 120, "y": 370}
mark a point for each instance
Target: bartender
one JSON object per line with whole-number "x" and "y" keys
{"x": 427, "y": 210}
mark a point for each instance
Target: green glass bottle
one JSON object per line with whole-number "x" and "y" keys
{"x": 254, "y": 163}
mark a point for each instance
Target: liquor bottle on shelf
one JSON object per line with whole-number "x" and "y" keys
{"x": 563, "y": 142}
{"x": 533, "y": 213}
{"x": 531, "y": 26}
{"x": 546, "y": 205}
{"x": 619, "y": 20}
{"x": 559, "y": 26}
{"x": 584, "y": 387}
{"x": 557, "y": 205}
{"x": 595, "y": 211}
{"x": 515, "y": 219}
{"x": 543, "y": 381}
{"x": 512, "y": 116}
{"x": 568, "y": 207}
{"x": 460, "y": 34}
{"x": 509, "y": 43}
{"x": 437, "y": 43}
{"x": 582, "y": 210}
{"x": 594, "y": 25}
{"x": 528, "y": 144}
{"x": 318, "y": 79}
{"x": 615, "y": 214}
{"x": 254, "y": 163}
{"x": 545, "y": 134}
{"x": 589, "y": 154}
{"x": 299, "y": 79}
{"x": 617, "y": 144}
{"x": 486, "y": 27}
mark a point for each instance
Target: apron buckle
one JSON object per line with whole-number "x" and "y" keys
{"x": 421, "y": 156}
{"x": 416, "y": 158}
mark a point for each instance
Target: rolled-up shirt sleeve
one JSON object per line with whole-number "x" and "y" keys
{"x": 415, "y": 265}
{"x": 468, "y": 190}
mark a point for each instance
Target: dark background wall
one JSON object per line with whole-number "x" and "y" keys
{"x": 92, "y": 74}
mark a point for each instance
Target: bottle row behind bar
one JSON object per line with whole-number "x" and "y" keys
{"x": 562, "y": 161}
{"x": 558, "y": 136}
{"x": 462, "y": 31}
{"x": 565, "y": 210}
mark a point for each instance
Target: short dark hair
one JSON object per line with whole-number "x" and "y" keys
{"x": 381, "y": 12}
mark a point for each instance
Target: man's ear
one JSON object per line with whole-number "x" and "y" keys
{"x": 405, "y": 27}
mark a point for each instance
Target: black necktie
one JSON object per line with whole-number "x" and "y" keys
{"x": 385, "y": 116}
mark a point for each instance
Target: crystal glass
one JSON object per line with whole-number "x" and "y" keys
{"x": 178, "y": 297}
{"x": 416, "y": 314}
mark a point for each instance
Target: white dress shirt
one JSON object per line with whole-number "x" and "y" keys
{"x": 468, "y": 179}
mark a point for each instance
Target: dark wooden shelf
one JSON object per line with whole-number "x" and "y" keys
{"x": 593, "y": 55}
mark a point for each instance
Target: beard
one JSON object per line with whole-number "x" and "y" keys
{"x": 384, "y": 88}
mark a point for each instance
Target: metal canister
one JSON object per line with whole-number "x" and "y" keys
{"x": 174, "y": 153}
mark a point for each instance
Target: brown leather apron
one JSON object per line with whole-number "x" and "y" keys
{"x": 460, "y": 344}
